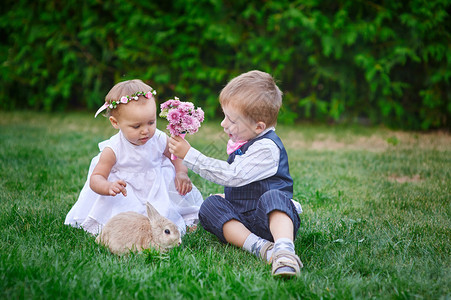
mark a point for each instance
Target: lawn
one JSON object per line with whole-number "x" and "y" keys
{"x": 376, "y": 221}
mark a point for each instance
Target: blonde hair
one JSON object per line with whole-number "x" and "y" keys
{"x": 125, "y": 88}
{"x": 255, "y": 94}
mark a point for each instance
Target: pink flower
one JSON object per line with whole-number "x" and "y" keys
{"x": 174, "y": 103}
{"x": 171, "y": 129}
{"x": 167, "y": 104}
{"x": 174, "y": 116}
{"x": 124, "y": 99}
{"x": 190, "y": 124}
{"x": 199, "y": 114}
{"x": 186, "y": 106}
{"x": 183, "y": 117}
{"x": 187, "y": 121}
{"x": 194, "y": 127}
{"x": 148, "y": 95}
{"x": 174, "y": 129}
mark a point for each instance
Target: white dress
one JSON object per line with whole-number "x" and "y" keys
{"x": 149, "y": 175}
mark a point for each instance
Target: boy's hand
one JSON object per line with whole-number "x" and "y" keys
{"x": 117, "y": 187}
{"x": 178, "y": 146}
{"x": 183, "y": 184}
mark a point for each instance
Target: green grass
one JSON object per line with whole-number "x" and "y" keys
{"x": 376, "y": 221}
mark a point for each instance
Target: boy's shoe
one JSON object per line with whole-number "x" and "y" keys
{"x": 286, "y": 264}
{"x": 264, "y": 250}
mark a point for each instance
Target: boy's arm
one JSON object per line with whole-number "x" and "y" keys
{"x": 260, "y": 161}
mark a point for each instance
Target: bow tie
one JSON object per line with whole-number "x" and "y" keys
{"x": 233, "y": 146}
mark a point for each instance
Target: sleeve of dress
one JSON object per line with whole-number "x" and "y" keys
{"x": 162, "y": 140}
{"x": 260, "y": 161}
{"x": 112, "y": 143}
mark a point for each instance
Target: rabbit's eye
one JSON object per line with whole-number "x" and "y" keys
{"x": 167, "y": 231}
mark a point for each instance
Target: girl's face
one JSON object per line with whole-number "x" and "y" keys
{"x": 239, "y": 127}
{"x": 137, "y": 120}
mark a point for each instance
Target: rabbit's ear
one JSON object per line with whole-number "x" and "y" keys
{"x": 152, "y": 212}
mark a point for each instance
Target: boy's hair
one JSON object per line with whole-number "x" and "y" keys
{"x": 255, "y": 94}
{"x": 125, "y": 88}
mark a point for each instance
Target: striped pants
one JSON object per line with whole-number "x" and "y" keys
{"x": 216, "y": 211}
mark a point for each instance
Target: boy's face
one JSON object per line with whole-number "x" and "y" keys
{"x": 137, "y": 121}
{"x": 238, "y": 127}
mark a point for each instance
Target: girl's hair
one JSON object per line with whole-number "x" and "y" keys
{"x": 125, "y": 88}
{"x": 255, "y": 94}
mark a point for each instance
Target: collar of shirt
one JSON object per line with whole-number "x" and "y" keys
{"x": 235, "y": 146}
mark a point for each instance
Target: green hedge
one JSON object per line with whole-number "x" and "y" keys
{"x": 383, "y": 61}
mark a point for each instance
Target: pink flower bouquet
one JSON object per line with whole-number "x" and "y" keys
{"x": 183, "y": 117}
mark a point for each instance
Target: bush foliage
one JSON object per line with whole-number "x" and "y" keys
{"x": 384, "y": 61}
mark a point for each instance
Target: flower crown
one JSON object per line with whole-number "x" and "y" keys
{"x": 125, "y": 100}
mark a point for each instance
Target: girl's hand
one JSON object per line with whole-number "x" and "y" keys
{"x": 183, "y": 183}
{"x": 117, "y": 187}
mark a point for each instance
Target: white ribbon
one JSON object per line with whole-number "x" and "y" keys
{"x": 102, "y": 108}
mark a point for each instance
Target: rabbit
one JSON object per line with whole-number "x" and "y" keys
{"x": 131, "y": 231}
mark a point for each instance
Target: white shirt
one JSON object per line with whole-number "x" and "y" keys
{"x": 260, "y": 161}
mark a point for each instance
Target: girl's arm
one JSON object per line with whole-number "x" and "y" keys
{"x": 182, "y": 182}
{"x": 99, "y": 178}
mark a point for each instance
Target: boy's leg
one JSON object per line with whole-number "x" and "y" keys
{"x": 277, "y": 217}
{"x": 280, "y": 225}
{"x": 275, "y": 201}
{"x": 237, "y": 234}
{"x": 285, "y": 261}
{"x": 217, "y": 216}
{"x": 214, "y": 212}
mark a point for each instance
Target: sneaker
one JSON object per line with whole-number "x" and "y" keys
{"x": 264, "y": 250}
{"x": 286, "y": 264}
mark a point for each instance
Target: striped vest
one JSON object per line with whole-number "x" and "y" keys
{"x": 245, "y": 197}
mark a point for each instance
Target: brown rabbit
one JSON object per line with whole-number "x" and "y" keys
{"x": 131, "y": 231}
